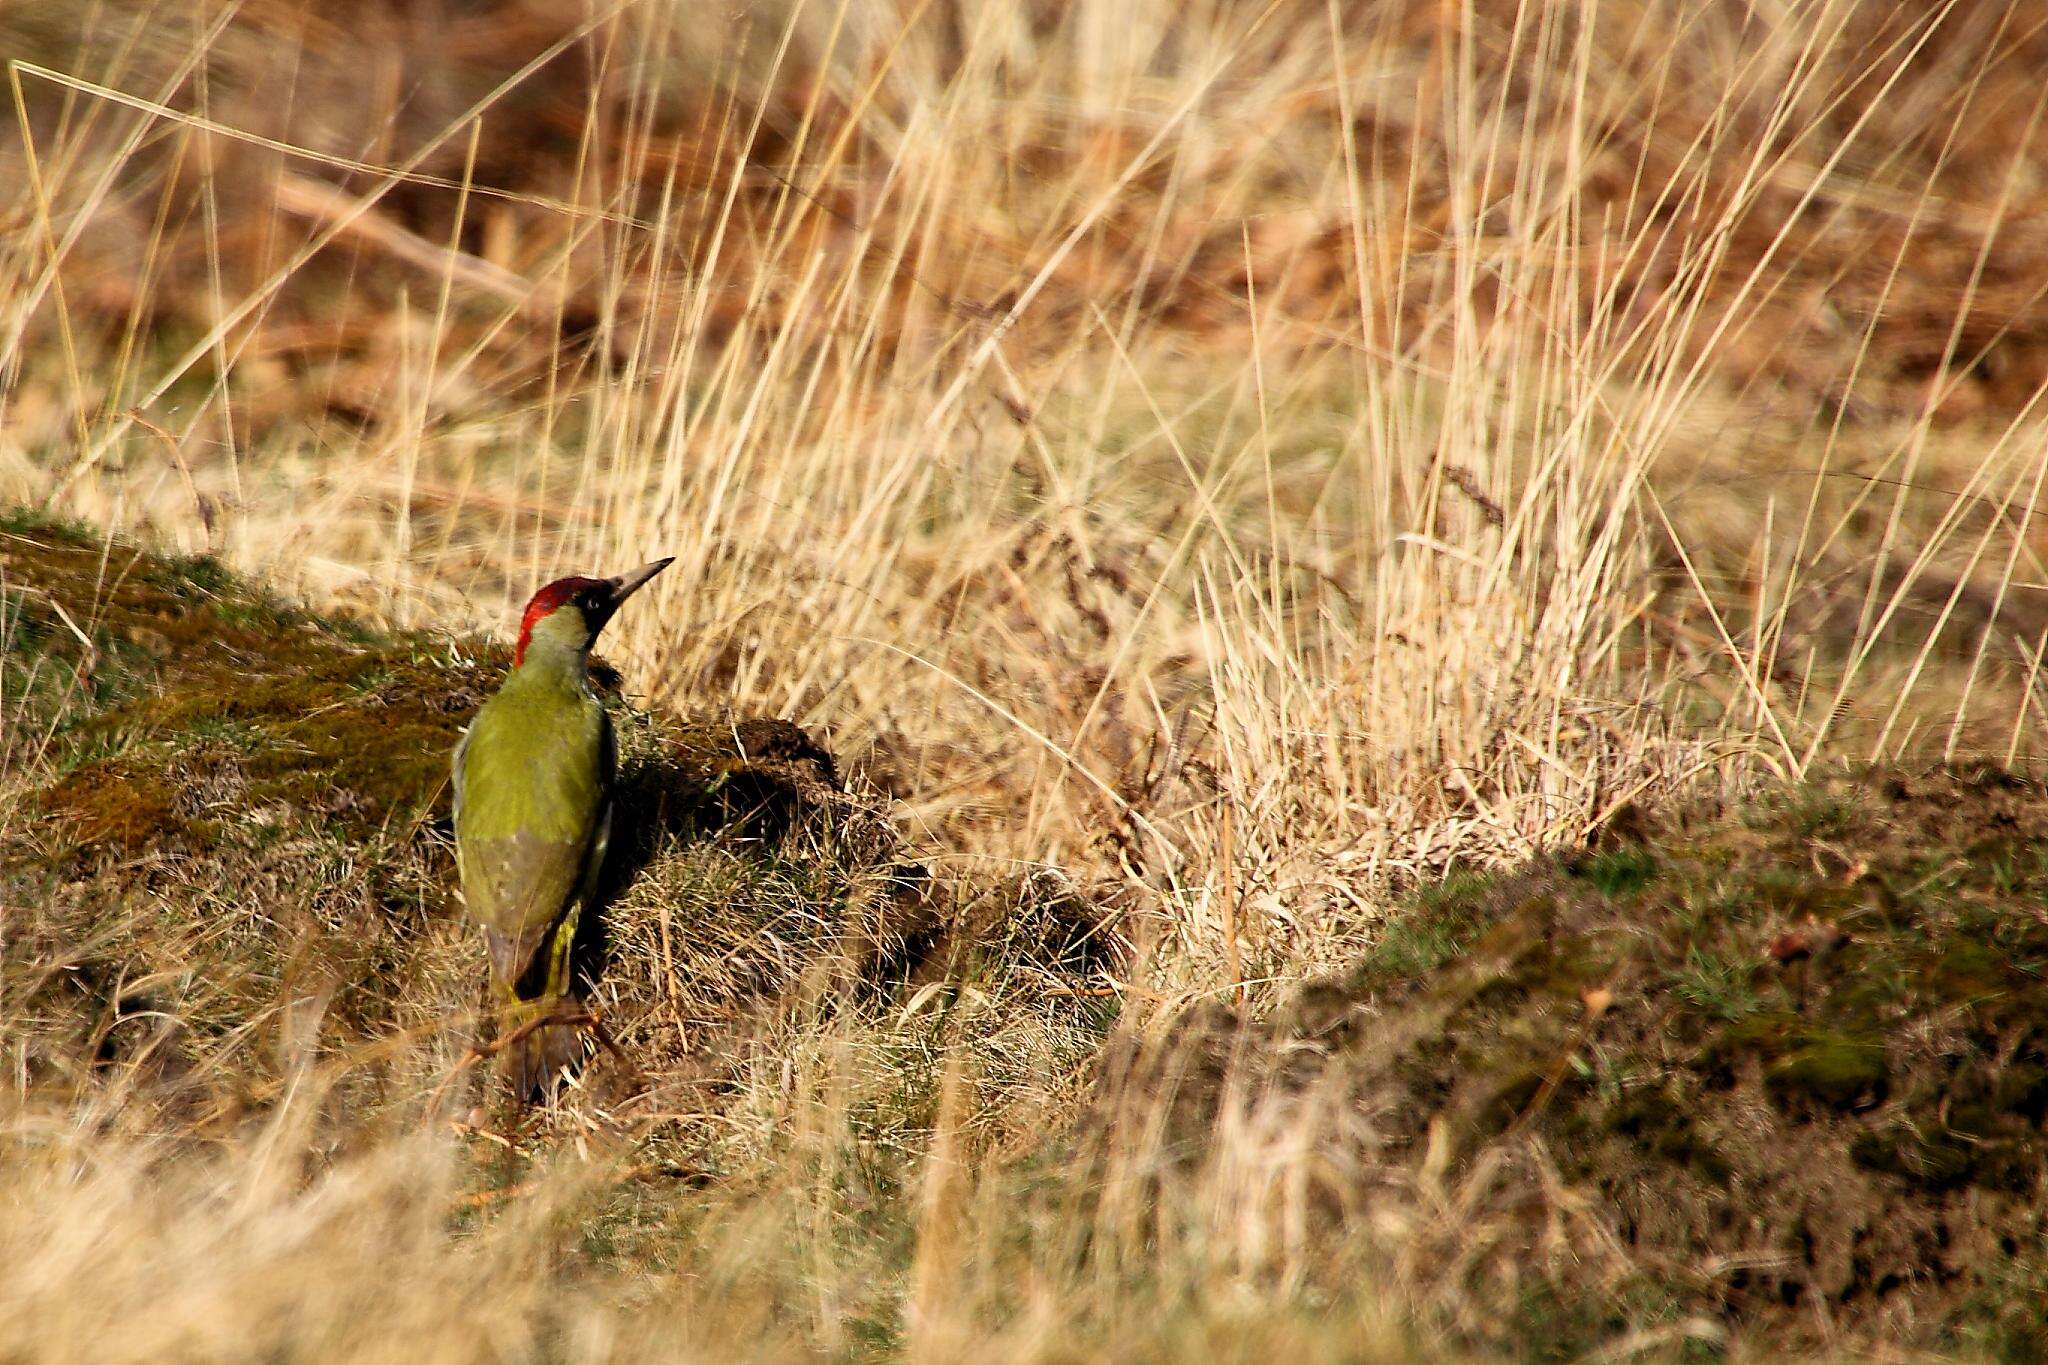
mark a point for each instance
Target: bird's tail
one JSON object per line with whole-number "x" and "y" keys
{"x": 533, "y": 1048}
{"x": 535, "y": 1041}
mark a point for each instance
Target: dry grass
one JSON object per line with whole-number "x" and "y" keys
{"x": 1244, "y": 459}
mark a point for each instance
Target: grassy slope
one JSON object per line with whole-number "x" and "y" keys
{"x": 1304, "y": 536}
{"x": 1337, "y": 350}
{"x": 1790, "y": 1057}
{"x": 225, "y": 807}
{"x": 1770, "y": 1074}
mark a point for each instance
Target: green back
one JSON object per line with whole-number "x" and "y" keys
{"x": 531, "y": 787}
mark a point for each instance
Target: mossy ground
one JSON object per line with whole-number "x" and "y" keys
{"x": 1792, "y": 1057}
{"x": 1775, "y": 1074}
{"x": 219, "y": 805}
{"x": 228, "y": 812}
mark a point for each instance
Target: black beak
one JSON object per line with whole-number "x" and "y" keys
{"x": 626, "y": 584}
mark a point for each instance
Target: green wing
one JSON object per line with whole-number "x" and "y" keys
{"x": 532, "y": 808}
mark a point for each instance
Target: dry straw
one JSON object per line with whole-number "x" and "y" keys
{"x": 1248, "y": 457}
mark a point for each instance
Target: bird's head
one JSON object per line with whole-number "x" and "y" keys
{"x": 569, "y": 612}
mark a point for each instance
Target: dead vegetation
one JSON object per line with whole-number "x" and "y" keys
{"x": 1770, "y": 1072}
{"x": 1183, "y": 477}
{"x": 199, "y": 961}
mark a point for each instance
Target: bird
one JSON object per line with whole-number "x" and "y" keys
{"x": 533, "y": 807}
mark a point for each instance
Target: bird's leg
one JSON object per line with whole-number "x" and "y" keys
{"x": 558, "y": 954}
{"x": 511, "y": 1011}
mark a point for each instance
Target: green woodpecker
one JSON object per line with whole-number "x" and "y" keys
{"x": 533, "y": 780}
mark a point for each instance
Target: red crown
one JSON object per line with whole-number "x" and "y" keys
{"x": 543, "y": 604}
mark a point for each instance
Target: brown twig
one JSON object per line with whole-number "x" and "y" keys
{"x": 479, "y": 1052}
{"x": 329, "y": 205}
{"x": 1596, "y": 1002}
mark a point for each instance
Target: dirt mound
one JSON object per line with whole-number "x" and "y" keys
{"x": 231, "y": 825}
{"x": 1780, "y": 1070}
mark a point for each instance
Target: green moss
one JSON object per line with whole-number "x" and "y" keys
{"x": 123, "y": 806}
{"x": 1963, "y": 970}
{"x": 1620, "y": 872}
{"x": 1442, "y": 920}
{"x": 1830, "y": 1069}
{"x": 1809, "y": 1027}
{"x": 1542, "y": 970}
{"x": 342, "y": 729}
{"x": 195, "y": 578}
